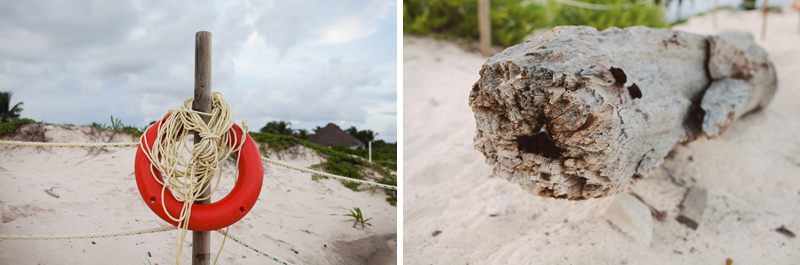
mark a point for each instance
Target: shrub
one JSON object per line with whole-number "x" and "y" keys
{"x": 13, "y": 125}
{"x": 638, "y": 13}
{"x": 511, "y": 20}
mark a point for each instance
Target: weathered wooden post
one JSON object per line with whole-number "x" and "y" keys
{"x": 484, "y": 26}
{"x": 714, "y": 13}
{"x": 201, "y": 241}
{"x": 765, "y": 9}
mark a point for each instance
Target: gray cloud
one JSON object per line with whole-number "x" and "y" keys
{"x": 82, "y": 61}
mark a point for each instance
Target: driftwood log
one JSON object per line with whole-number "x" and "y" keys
{"x": 578, "y": 114}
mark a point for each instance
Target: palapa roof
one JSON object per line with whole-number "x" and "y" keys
{"x": 333, "y": 135}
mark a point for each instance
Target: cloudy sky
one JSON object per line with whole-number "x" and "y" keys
{"x": 304, "y": 61}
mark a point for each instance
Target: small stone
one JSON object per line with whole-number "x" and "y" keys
{"x": 692, "y": 206}
{"x": 632, "y": 217}
{"x": 497, "y": 206}
{"x": 786, "y": 232}
{"x": 436, "y": 233}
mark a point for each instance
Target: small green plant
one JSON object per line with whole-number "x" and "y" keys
{"x": 359, "y": 218}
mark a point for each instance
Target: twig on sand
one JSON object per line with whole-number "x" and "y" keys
{"x": 50, "y": 191}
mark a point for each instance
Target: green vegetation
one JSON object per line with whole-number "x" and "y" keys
{"x": 359, "y": 218}
{"x": 338, "y": 161}
{"x": 645, "y": 14}
{"x": 363, "y": 136}
{"x": 7, "y": 112}
{"x": 118, "y": 127}
{"x": 513, "y": 20}
{"x": 278, "y": 127}
{"x": 12, "y": 125}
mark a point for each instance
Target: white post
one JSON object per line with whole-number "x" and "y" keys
{"x": 370, "y": 151}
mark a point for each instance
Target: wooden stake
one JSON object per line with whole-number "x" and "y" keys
{"x": 764, "y": 20}
{"x": 484, "y": 26}
{"x": 201, "y": 241}
{"x": 714, "y": 13}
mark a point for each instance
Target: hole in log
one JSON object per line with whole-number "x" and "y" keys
{"x": 540, "y": 144}
{"x": 589, "y": 120}
{"x": 546, "y": 176}
{"x": 619, "y": 76}
{"x": 635, "y": 91}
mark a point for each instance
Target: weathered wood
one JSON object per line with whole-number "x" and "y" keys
{"x": 484, "y": 26}
{"x": 577, "y": 113}
{"x": 691, "y": 208}
{"x": 201, "y": 241}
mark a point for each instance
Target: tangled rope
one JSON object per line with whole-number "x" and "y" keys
{"x": 188, "y": 179}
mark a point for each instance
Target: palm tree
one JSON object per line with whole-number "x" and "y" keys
{"x": 301, "y": 133}
{"x": 278, "y": 127}
{"x": 366, "y": 135}
{"x": 6, "y": 113}
{"x": 352, "y": 131}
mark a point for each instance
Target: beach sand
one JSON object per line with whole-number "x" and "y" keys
{"x": 295, "y": 218}
{"x": 751, "y": 175}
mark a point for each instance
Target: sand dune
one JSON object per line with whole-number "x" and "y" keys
{"x": 295, "y": 218}
{"x": 750, "y": 175}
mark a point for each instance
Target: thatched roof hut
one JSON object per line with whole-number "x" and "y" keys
{"x": 333, "y": 135}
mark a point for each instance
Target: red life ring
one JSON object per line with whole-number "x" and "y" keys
{"x": 205, "y": 217}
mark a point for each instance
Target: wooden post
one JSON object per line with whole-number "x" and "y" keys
{"x": 714, "y": 13}
{"x": 764, "y": 20}
{"x": 201, "y": 241}
{"x": 484, "y": 26}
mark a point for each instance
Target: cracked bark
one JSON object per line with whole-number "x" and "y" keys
{"x": 576, "y": 113}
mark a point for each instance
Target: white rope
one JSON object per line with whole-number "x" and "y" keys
{"x": 87, "y": 235}
{"x": 311, "y": 171}
{"x": 123, "y": 144}
{"x": 594, "y": 6}
{"x": 135, "y": 232}
{"x": 279, "y": 260}
{"x": 274, "y": 162}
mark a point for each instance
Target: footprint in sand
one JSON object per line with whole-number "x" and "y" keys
{"x": 14, "y": 212}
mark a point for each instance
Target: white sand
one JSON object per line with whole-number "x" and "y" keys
{"x": 750, "y": 174}
{"x": 295, "y": 218}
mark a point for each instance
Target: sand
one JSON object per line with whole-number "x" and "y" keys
{"x": 750, "y": 174}
{"x": 295, "y": 218}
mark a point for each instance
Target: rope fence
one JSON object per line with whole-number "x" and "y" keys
{"x": 135, "y": 232}
{"x": 87, "y": 235}
{"x": 41, "y": 144}
{"x": 168, "y": 228}
{"x": 594, "y": 6}
{"x": 271, "y": 161}
{"x": 237, "y": 240}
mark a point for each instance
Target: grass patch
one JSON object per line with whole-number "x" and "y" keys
{"x": 13, "y": 125}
